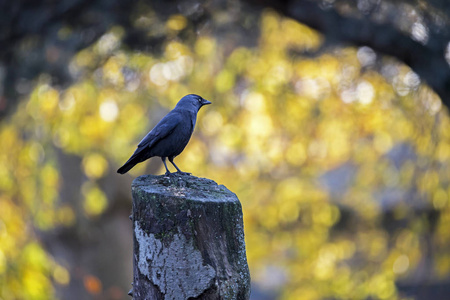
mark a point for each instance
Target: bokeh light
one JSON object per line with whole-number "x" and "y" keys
{"x": 341, "y": 161}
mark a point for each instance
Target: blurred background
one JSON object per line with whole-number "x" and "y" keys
{"x": 329, "y": 121}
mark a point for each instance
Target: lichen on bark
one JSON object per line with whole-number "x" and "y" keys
{"x": 175, "y": 278}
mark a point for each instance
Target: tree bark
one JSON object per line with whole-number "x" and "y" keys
{"x": 188, "y": 240}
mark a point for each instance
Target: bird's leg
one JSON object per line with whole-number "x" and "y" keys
{"x": 164, "y": 162}
{"x": 178, "y": 169}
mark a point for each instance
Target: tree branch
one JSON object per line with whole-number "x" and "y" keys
{"x": 427, "y": 60}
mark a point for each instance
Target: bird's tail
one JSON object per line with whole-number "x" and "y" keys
{"x": 134, "y": 159}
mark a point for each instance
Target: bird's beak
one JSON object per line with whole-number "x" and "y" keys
{"x": 205, "y": 102}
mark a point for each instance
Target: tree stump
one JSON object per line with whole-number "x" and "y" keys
{"x": 188, "y": 240}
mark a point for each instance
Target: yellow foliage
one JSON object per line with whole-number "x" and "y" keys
{"x": 224, "y": 81}
{"x": 95, "y": 201}
{"x": 66, "y": 216}
{"x": 279, "y": 124}
{"x": 205, "y": 46}
{"x": 112, "y": 71}
{"x": 61, "y": 275}
{"x": 3, "y": 263}
{"x": 95, "y": 165}
{"x": 176, "y": 22}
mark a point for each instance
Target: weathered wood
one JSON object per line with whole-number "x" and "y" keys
{"x": 188, "y": 240}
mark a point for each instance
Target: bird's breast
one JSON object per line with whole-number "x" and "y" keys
{"x": 174, "y": 143}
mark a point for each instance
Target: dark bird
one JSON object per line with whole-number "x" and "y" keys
{"x": 169, "y": 137}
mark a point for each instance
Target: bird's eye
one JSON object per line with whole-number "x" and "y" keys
{"x": 199, "y": 100}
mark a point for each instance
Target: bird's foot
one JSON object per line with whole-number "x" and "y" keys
{"x": 168, "y": 173}
{"x": 182, "y": 173}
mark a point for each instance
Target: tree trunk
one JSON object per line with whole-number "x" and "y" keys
{"x": 188, "y": 240}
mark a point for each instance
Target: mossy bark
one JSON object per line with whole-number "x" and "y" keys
{"x": 188, "y": 240}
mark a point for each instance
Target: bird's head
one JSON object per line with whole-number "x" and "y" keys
{"x": 192, "y": 102}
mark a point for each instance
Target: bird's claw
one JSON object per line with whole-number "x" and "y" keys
{"x": 183, "y": 173}
{"x": 177, "y": 173}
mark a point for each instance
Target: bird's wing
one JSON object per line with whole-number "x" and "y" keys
{"x": 161, "y": 130}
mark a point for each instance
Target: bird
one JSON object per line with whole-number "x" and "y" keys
{"x": 170, "y": 136}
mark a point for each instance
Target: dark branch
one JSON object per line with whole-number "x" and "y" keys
{"x": 428, "y": 60}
